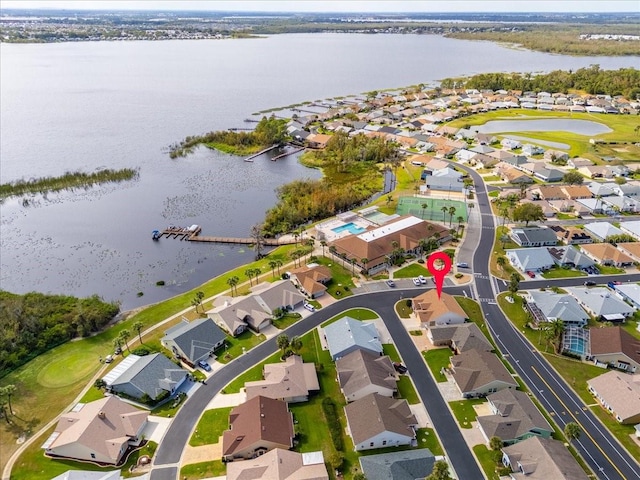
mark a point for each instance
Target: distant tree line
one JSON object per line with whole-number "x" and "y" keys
{"x": 351, "y": 176}
{"x": 593, "y": 80}
{"x": 269, "y": 131}
{"x": 33, "y": 323}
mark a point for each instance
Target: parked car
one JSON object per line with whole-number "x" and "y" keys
{"x": 309, "y": 307}
{"x": 422, "y": 279}
{"x": 108, "y": 359}
{"x": 463, "y": 265}
{"x": 400, "y": 368}
{"x": 204, "y": 365}
{"x": 589, "y": 283}
{"x": 416, "y": 282}
{"x": 391, "y": 283}
{"x": 531, "y": 274}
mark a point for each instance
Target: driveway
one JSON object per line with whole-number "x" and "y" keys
{"x": 449, "y": 390}
{"x": 155, "y": 428}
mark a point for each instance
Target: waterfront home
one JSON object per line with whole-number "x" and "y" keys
{"x": 193, "y": 341}
{"x": 280, "y": 464}
{"x": 347, "y": 334}
{"x": 257, "y": 426}
{"x": 551, "y": 155}
{"x": 619, "y": 394}
{"x": 614, "y": 347}
{"x": 311, "y": 279}
{"x": 361, "y": 373}
{"x": 375, "y": 421}
{"x": 478, "y": 373}
{"x": 100, "y": 431}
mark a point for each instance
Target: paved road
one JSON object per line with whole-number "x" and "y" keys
{"x": 606, "y": 457}
{"x": 170, "y": 450}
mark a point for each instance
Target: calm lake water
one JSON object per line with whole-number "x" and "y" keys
{"x": 581, "y": 127}
{"x": 85, "y": 106}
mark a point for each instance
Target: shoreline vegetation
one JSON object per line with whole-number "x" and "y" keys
{"x": 269, "y": 131}
{"x": 69, "y": 180}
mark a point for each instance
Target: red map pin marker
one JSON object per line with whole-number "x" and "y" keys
{"x": 439, "y": 274}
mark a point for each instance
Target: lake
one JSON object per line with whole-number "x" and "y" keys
{"x": 581, "y": 127}
{"x": 85, "y": 106}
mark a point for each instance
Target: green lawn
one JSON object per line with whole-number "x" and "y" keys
{"x": 407, "y": 391}
{"x": 498, "y": 251}
{"x": 491, "y": 178}
{"x": 355, "y": 313}
{"x": 341, "y": 283}
{"x": 92, "y": 394}
{"x": 286, "y": 320}
{"x": 557, "y": 272}
{"x": 246, "y": 340}
{"x": 471, "y": 308}
{"x": 427, "y": 438}
{"x": 251, "y": 375}
{"x": 609, "y": 270}
{"x": 403, "y": 308}
{"x": 169, "y": 409}
{"x": 464, "y": 412}
{"x": 412, "y": 270}
{"x": 210, "y": 426}
{"x": 487, "y": 462}
{"x": 390, "y": 350}
{"x": 215, "y": 468}
{"x": 437, "y": 359}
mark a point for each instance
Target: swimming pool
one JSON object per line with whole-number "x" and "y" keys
{"x": 576, "y": 340}
{"x": 349, "y": 227}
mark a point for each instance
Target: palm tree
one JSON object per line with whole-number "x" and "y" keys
{"x": 138, "y": 326}
{"x": 282, "y": 341}
{"x": 364, "y": 263}
{"x": 460, "y": 222}
{"x": 501, "y": 261}
{"x": 256, "y": 273}
{"x": 444, "y": 210}
{"x": 452, "y": 212}
{"x": 197, "y": 301}
{"x": 295, "y": 344}
{"x": 272, "y": 266}
{"x": 495, "y": 443}
{"x": 553, "y": 333}
{"x": 572, "y": 431}
{"x": 125, "y": 335}
{"x": 323, "y": 243}
{"x": 233, "y": 282}
{"x": 424, "y": 207}
{"x": 249, "y": 273}
{"x": 389, "y": 199}
{"x": 7, "y": 391}
{"x": 279, "y": 264}
{"x": 117, "y": 344}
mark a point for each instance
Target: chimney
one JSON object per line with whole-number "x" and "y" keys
{"x": 101, "y": 415}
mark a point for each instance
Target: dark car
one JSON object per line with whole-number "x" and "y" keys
{"x": 400, "y": 368}
{"x": 463, "y": 265}
{"x": 391, "y": 283}
{"x": 589, "y": 283}
{"x": 204, "y": 365}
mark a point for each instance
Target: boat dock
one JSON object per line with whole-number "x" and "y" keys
{"x": 250, "y": 158}
{"x": 192, "y": 234}
{"x": 290, "y": 152}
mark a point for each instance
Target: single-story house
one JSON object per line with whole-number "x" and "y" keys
{"x": 632, "y": 249}
{"x": 291, "y": 381}
{"x": 348, "y": 334}
{"x": 602, "y": 230}
{"x": 459, "y": 338}
{"x": 257, "y": 426}
{"x": 407, "y": 464}
{"x": 549, "y": 306}
{"x": 193, "y": 341}
{"x": 478, "y": 373}
{"x": 601, "y": 303}
{"x": 280, "y": 464}
{"x": 375, "y": 421}
{"x": 570, "y": 256}
{"x": 514, "y": 418}
{"x": 630, "y": 292}
{"x": 533, "y": 236}
{"x": 534, "y": 259}
{"x": 145, "y": 378}
{"x": 312, "y": 279}
{"x": 539, "y": 458}
{"x": 619, "y": 394}
{"x": 432, "y": 310}
{"x": 631, "y": 228}
{"x": 89, "y": 475}
{"x": 607, "y": 254}
{"x": 99, "y": 431}
{"x": 614, "y": 347}
{"x": 571, "y": 235}
{"x": 361, "y": 373}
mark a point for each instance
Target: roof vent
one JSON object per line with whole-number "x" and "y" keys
{"x": 101, "y": 414}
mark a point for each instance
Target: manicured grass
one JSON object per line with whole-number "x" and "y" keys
{"x": 437, "y": 359}
{"x": 403, "y": 308}
{"x": 565, "y": 216}
{"x": 464, "y": 412}
{"x": 195, "y": 471}
{"x": 491, "y": 178}
{"x": 286, "y": 320}
{"x": 471, "y": 308}
{"x": 246, "y": 340}
{"x": 92, "y": 394}
{"x": 390, "y": 350}
{"x": 494, "y": 194}
{"x": 556, "y": 272}
{"x": 407, "y": 391}
{"x": 341, "y": 282}
{"x": 210, "y": 426}
{"x": 427, "y": 438}
{"x": 412, "y": 270}
{"x": 622, "y": 432}
{"x": 487, "y": 462}
{"x": 356, "y": 313}
{"x": 498, "y": 251}
{"x": 609, "y": 270}
{"x": 169, "y": 409}
{"x": 251, "y": 375}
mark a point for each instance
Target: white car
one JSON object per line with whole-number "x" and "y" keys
{"x": 422, "y": 279}
{"x": 309, "y": 307}
{"x": 416, "y": 282}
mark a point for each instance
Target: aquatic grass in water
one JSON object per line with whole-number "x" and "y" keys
{"x": 68, "y": 180}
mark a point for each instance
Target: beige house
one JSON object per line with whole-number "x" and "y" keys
{"x": 361, "y": 373}
{"x": 607, "y": 254}
{"x": 279, "y": 464}
{"x": 615, "y": 347}
{"x": 432, "y": 311}
{"x": 459, "y": 338}
{"x": 375, "y": 421}
{"x": 291, "y": 381}
{"x": 541, "y": 459}
{"x": 619, "y": 393}
{"x": 312, "y": 280}
{"x": 99, "y": 431}
{"x": 632, "y": 249}
{"x": 479, "y": 373}
{"x": 256, "y": 427}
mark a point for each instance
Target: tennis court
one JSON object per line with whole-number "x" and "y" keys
{"x": 432, "y": 209}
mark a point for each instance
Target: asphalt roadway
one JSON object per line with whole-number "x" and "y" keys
{"x": 602, "y": 452}
{"x": 167, "y": 458}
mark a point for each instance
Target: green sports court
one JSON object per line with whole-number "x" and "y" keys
{"x": 433, "y": 209}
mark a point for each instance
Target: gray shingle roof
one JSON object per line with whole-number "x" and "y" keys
{"x": 406, "y": 465}
{"x": 560, "y": 306}
{"x": 195, "y": 339}
{"x": 347, "y": 333}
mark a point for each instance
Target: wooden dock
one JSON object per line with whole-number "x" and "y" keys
{"x": 291, "y": 152}
{"x": 251, "y": 157}
{"x": 181, "y": 233}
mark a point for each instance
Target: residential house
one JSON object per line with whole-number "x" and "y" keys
{"x": 632, "y": 249}
{"x": 539, "y": 458}
{"x": 100, "y": 431}
{"x": 257, "y": 426}
{"x": 578, "y": 162}
{"x": 145, "y": 378}
{"x": 514, "y": 418}
{"x": 459, "y": 338}
{"x": 614, "y": 347}
{"x": 318, "y": 140}
{"x": 361, "y": 373}
{"x": 482, "y": 160}
{"x": 619, "y": 394}
{"x": 280, "y": 464}
{"x": 445, "y": 179}
{"x": 569, "y": 256}
{"x": 403, "y": 465}
{"x": 530, "y": 150}
{"x": 312, "y": 279}
{"x": 478, "y": 373}
{"x": 575, "y": 192}
{"x": 533, "y": 236}
{"x": 629, "y": 292}
{"x": 255, "y": 311}
{"x": 547, "y": 306}
{"x": 571, "y": 235}
{"x": 551, "y": 155}
{"x": 631, "y": 228}
{"x": 602, "y": 230}
{"x": 432, "y": 310}
{"x": 89, "y": 475}
{"x": 530, "y": 259}
{"x": 548, "y": 192}
{"x": 601, "y": 303}
{"x": 607, "y": 254}
{"x": 291, "y": 381}
{"x": 375, "y": 421}
{"x": 347, "y": 334}
{"x": 193, "y": 341}
{"x": 377, "y": 244}
{"x": 601, "y": 189}
{"x": 613, "y": 205}
{"x": 514, "y": 176}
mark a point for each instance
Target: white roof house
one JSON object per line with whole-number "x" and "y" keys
{"x": 600, "y": 301}
{"x": 602, "y": 230}
{"x": 629, "y": 292}
{"x": 530, "y": 259}
{"x": 347, "y": 334}
{"x": 632, "y": 228}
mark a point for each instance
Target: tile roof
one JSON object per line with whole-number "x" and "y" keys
{"x": 280, "y": 464}
{"x": 543, "y": 459}
{"x": 312, "y": 278}
{"x": 375, "y": 414}
{"x": 288, "y": 379}
{"x": 621, "y": 391}
{"x": 428, "y": 307}
{"x": 360, "y": 368}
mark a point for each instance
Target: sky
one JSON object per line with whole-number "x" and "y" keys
{"x": 337, "y": 5}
